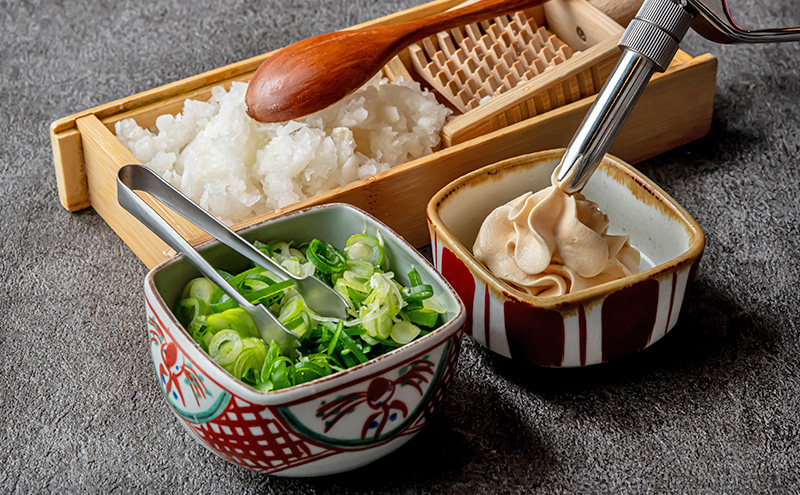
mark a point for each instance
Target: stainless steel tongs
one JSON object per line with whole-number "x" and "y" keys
{"x": 649, "y": 43}
{"x": 319, "y": 296}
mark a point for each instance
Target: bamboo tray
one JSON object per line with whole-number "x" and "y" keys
{"x": 675, "y": 109}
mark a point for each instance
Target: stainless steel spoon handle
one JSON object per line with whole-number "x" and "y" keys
{"x": 137, "y": 177}
{"x": 604, "y": 120}
{"x": 649, "y": 43}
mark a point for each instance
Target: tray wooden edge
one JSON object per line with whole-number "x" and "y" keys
{"x": 74, "y": 145}
{"x": 676, "y": 125}
{"x": 68, "y": 157}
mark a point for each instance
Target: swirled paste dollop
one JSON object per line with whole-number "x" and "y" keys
{"x": 552, "y": 243}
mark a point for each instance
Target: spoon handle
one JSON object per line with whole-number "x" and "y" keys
{"x": 475, "y": 12}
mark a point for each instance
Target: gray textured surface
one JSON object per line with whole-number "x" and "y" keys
{"x": 712, "y": 408}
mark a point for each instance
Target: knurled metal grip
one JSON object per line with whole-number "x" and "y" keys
{"x": 668, "y": 15}
{"x": 651, "y": 42}
{"x": 657, "y": 30}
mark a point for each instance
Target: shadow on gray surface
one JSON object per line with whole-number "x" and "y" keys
{"x": 714, "y": 341}
{"x": 453, "y": 455}
{"x": 496, "y": 429}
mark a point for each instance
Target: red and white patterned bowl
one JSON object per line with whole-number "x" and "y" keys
{"x": 587, "y": 327}
{"x": 329, "y": 425}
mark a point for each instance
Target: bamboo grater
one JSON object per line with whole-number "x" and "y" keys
{"x": 502, "y": 71}
{"x": 470, "y": 64}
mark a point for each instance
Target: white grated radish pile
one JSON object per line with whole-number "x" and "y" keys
{"x": 237, "y": 168}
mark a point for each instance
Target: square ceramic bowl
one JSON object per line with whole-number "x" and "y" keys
{"x": 589, "y": 326}
{"x": 383, "y": 402}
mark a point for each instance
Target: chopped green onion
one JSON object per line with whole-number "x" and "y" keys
{"x": 298, "y": 269}
{"x": 225, "y": 347}
{"x": 353, "y": 331}
{"x": 352, "y": 347}
{"x": 235, "y": 319}
{"x": 257, "y": 281}
{"x": 434, "y": 305}
{"x": 259, "y": 296}
{"x": 307, "y": 371}
{"x": 423, "y": 317}
{"x": 190, "y": 308}
{"x": 365, "y": 247}
{"x": 404, "y": 332}
{"x": 349, "y": 360}
{"x": 265, "y": 248}
{"x": 250, "y": 360}
{"x": 280, "y": 249}
{"x": 356, "y": 296}
{"x": 413, "y": 278}
{"x": 418, "y": 292}
{"x": 199, "y": 288}
{"x": 383, "y": 314}
{"x": 379, "y": 326}
{"x": 360, "y": 268}
{"x": 225, "y": 303}
{"x": 325, "y": 257}
{"x": 335, "y": 339}
{"x": 292, "y": 308}
{"x": 238, "y": 279}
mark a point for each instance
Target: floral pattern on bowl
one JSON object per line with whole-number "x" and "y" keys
{"x": 329, "y": 425}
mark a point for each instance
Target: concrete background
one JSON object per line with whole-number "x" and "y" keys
{"x": 712, "y": 408}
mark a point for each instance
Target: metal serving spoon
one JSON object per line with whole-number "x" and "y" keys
{"x": 319, "y": 296}
{"x": 315, "y": 73}
{"x": 649, "y": 43}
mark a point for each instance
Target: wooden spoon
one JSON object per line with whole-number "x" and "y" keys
{"x": 314, "y": 73}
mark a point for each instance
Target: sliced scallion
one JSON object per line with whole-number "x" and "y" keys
{"x": 404, "y": 332}
{"x": 199, "y": 288}
{"x": 367, "y": 248}
{"x": 235, "y": 319}
{"x": 325, "y": 257}
{"x": 383, "y": 313}
{"x": 225, "y": 347}
{"x": 418, "y": 292}
{"x": 423, "y": 317}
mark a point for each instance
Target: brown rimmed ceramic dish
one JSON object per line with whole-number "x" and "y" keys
{"x": 586, "y": 327}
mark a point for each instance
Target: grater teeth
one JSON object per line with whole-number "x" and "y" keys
{"x": 474, "y": 32}
{"x": 494, "y": 33}
{"x": 457, "y": 35}
{"x": 446, "y": 44}
{"x": 501, "y": 21}
{"x": 427, "y": 44}
{"x": 461, "y": 57}
{"x": 468, "y": 65}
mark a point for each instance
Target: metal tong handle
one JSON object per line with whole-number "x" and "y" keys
{"x": 137, "y": 177}
{"x": 713, "y": 21}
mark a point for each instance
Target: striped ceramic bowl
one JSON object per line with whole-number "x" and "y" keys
{"x": 586, "y": 327}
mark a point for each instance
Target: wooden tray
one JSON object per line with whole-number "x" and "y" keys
{"x": 675, "y": 109}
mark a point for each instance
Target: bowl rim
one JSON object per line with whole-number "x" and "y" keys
{"x": 416, "y": 346}
{"x": 630, "y": 176}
